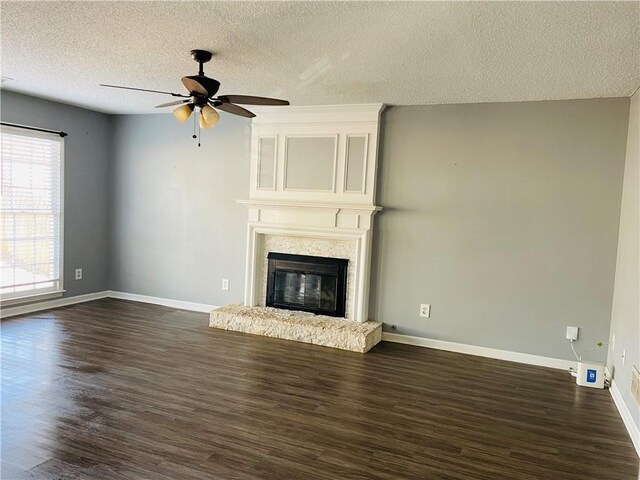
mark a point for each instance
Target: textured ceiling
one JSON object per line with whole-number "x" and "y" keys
{"x": 312, "y": 53}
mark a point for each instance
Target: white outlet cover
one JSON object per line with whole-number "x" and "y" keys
{"x": 425, "y": 310}
{"x": 78, "y": 274}
{"x": 225, "y": 284}
{"x": 572, "y": 333}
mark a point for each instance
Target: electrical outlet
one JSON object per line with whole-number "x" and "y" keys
{"x": 572, "y": 333}
{"x": 78, "y": 274}
{"x": 225, "y": 284}
{"x": 425, "y": 310}
{"x": 613, "y": 342}
{"x": 624, "y": 355}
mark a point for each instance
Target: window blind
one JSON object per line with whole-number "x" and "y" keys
{"x": 31, "y": 213}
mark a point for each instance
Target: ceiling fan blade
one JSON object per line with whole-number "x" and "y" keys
{"x": 235, "y": 109}
{"x": 194, "y": 86}
{"x": 176, "y": 102}
{"x": 144, "y": 90}
{"x": 250, "y": 100}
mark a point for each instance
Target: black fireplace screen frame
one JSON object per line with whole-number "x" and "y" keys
{"x": 307, "y": 264}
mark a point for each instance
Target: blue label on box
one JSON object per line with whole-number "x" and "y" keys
{"x": 591, "y": 376}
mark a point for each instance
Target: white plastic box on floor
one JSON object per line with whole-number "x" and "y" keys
{"x": 590, "y": 375}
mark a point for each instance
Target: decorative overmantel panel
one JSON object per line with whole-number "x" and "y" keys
{"x": 315, "y": 154}
{"x": 313, "y": 177}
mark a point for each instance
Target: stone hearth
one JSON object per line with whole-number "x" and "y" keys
{"x": 298, "y": 326}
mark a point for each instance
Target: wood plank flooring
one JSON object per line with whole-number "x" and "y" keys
{"x": 113, "y": 389}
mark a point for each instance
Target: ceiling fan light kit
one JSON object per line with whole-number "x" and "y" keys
{"x": 202, "y": 91}
{"x": 210, "y": 115}
{"x": 183, "y": 113}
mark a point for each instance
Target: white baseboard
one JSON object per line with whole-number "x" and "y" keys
{"x": 61, "y": 302}
{"x": 195, "y": 307}
{"x": 480, "y": 351}
{"x": 623, "y": 409}
{"x": 389, "y": 337}
{"x": 49, "y": 304}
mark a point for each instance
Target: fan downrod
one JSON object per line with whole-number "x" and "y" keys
{"x": 202, "y": 57}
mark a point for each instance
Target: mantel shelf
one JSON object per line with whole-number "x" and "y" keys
{"x": 336, "y": 207}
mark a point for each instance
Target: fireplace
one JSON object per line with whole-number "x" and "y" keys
{"x": 307, "y": 283}
{"x": 312, "y": 191}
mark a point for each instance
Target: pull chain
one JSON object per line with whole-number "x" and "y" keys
{"x": 195, "y": 121}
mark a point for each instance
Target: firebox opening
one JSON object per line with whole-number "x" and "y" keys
{"x": 307, "y": 283}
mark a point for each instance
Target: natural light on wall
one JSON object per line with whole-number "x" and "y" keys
{"x": 31, "y": 214}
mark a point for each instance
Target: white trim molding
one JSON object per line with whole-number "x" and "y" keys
{"x": 36, "y": 297}
{"x": 286, "y": 168}
{"x": 166, "y": 302}
{"x": 623, "y": 409}
{"x": 339, "y": 122}
{"x": 63, "y": 302}
{"x": 480, "y": 351}
{"x": 47, "y": 305}
{"x": 386, "y": 336}
{"x": 316, "y": 114}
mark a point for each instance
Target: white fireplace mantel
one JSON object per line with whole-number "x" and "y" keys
{"x": 313, "y": 177}
{"x": 344, "y": 223}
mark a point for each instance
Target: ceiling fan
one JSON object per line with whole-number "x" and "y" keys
{"x": 202, "y": 91}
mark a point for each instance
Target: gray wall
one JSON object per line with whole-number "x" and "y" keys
{"x": 176, "y": 230}
{"x": 625, "y": 316}
{"x": 86, "y": 183}
{"x": 503, "y": 217}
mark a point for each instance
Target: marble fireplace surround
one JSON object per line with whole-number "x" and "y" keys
{"x": 312, "y": 192}
{"x": 317, "y": 247}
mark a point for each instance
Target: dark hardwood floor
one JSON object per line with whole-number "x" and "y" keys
{"x": 114, "y": 389}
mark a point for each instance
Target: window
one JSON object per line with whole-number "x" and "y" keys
{"x": 31, "y": 213}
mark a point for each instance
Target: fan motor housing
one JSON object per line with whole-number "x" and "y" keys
{"x": 211, "y": 85}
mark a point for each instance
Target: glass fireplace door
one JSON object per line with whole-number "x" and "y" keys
{"x": 305, "y": 290}
{"x": 307, "y": 283}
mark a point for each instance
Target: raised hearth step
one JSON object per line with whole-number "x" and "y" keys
{"x": 298, "y": 326}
